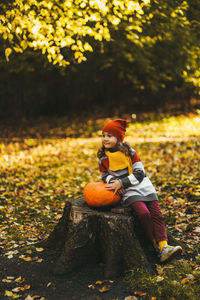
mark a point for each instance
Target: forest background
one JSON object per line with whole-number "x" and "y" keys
{"x": 62, "y": 56}
{"x": 66, "y": 68}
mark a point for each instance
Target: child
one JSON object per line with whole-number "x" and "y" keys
{"x": 123, "y": 170}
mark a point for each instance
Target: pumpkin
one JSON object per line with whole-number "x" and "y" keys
{"x": 96, "y": 194}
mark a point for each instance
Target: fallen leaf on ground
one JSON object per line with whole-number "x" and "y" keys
{"x": 39, "y": 260}
{"x": 104, "y": 289}
{"x": 11, "y": 294}
{"x": 29, "y": 298}
{"x": 130, "y": 298}
{"x": 159, "y": 278}
{"x": 169, "y": 267}
{"x": 48, "y": 284}
{"x": 26, "y": 258}
{"x": 6, "y": 280}
{"x": 159, "y": 269}
{"x": 98, "y": 282}
{"x": 197, "y": 229}
{"x": 27, "y": 286}
{"x": 139, "y": 293}
{"x": 17, "y": 289}
{"x": 19, "y": 280}
{"x": 91, "y": 286}
{"x": 39, "y": 249}
{"x": 190, "y": 277}
{"x": 185, "y": 280}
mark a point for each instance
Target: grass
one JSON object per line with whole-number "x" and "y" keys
{"x": 178, "y": 280}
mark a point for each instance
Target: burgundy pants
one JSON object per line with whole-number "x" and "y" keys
{"x": 151, "y": 218}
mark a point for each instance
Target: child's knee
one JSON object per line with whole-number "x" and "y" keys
{"x": 145, "y": 215}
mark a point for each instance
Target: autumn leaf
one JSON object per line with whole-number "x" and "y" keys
{"x": 190, "y": 277}
{"x": 91, "y": 286}
{"x": 185, "y": 280}
{"x": 11, "y": 294}
{"x": 29, "y": 298}
{"x": 27, "y": 286}
{"x": 104, "y": 289}
{"x": 8, "y": 51}
{"x": 98, "y": 282}
{"x": 26, "y": 258}
{"x": 159, "y": 278}
{"x": 39, "y": 249}
{"x": 138, "y": 293}
{"x": 169, "y": 267}
{"x": 17, "y": 289}
{"x": 159, "y": 269}
{"x": 49, "y": 283}
{"x": 6, "y": 280}
{"x": 34, "y": 297}
{"x": 39, "y": 260}
{"x": 19, "y": 279}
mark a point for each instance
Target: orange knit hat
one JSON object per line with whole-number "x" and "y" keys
{"x": 117, "y": 128}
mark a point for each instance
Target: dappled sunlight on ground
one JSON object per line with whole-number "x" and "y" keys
{"x": 167, "y": 127}
{"x": 39, "y": 175}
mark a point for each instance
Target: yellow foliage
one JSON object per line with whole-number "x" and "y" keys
{"x": 8, "y": 51}
{"x": 87, "y": 47}
{"x": 46, "y": 25}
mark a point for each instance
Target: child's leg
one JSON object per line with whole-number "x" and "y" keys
{"x": 152, "y": 220}
{"x": 160, "y": 232}
{"x": 159, "y": 229}
{"x": 144, "y": 216}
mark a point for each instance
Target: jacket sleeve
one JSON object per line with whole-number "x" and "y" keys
{"x": 105, "y": 176}
{"x": 138, "y": 172}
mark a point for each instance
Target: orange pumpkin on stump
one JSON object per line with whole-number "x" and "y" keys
{"x": 96, "y": 194}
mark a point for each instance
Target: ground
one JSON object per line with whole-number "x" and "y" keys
{"x": 44, "y": 164}
{"x": 43, "y": 283}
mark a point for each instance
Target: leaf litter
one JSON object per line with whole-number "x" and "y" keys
{"x": 39, "y": 175}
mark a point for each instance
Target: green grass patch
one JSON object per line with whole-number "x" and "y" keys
{"x": 179, "y": 280}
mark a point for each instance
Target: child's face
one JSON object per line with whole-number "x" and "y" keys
{"x": 108, "y": 140}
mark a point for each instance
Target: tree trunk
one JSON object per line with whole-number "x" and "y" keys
{"x": 89, "y": 235}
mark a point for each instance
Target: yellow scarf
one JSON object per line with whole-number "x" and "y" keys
{"x": 119, "y": 161}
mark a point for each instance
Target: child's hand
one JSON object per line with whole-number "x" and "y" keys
{"x": 121, "y": 191}
{"x": 114, "y": 185}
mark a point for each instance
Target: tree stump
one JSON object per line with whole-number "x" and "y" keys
{"x": 87, "y": 235}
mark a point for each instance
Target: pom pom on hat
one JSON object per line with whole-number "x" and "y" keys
{"x": 117, "y": 128}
